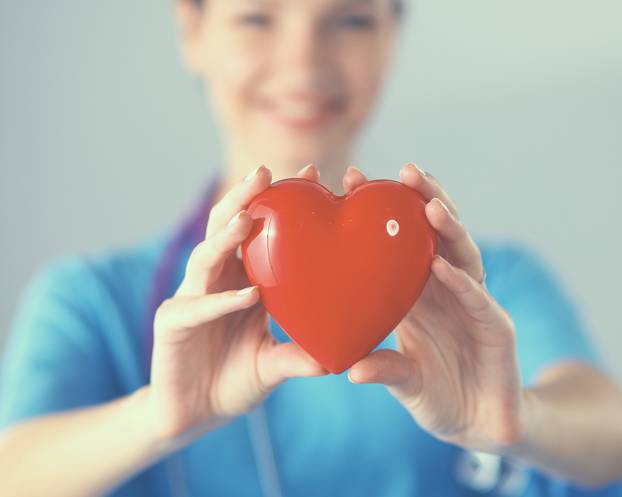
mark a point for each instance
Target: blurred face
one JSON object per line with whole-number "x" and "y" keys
{"x": 290, "y": 79}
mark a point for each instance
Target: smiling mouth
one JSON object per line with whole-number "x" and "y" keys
{"x": 303, "y": 115}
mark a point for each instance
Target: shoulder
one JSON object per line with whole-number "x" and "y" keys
{"x": 85, "y": 297}
{"x": 78, "y": 316}
{"x": 121, "y": 274}
{"x": 110, "y": 270}
{"x": 508, "y": 253}
{"x": 520, "y": 277}
{"x": 71, "y": 339}
{"x": 513, "y": 264}
{"x": 551, "y": 325}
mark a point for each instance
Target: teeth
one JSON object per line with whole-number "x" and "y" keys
{"x": 299, "y": 110}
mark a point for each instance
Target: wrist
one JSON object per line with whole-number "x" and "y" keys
{"x": 159, "y": 437}
{"x": 530, "y": 409}
{"x": 145, "y": 426}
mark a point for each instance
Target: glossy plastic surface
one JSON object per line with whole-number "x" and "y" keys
{"x": 338, "y": 272}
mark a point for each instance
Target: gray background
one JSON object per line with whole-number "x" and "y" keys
{"x": 514, "y": 106}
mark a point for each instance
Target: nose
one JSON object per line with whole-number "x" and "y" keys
{"x": 302, "y": 55}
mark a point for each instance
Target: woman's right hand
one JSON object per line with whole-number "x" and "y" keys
{"x": 213, "y": 356}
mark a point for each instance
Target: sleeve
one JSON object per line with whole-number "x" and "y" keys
{"x": 54, "y": 358}
{"x": 542, "y": 484}
{"x": 549, "y": 326}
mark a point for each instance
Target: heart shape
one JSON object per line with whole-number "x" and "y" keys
{"x": 338, "y": 272}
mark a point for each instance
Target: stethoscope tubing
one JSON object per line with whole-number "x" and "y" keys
{"x": 191, "y": 232}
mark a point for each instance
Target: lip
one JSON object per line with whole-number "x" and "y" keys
{"x": 329, "y": 110}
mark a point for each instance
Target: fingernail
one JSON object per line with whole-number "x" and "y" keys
{"x": 234, "y": 219}
{"x": 354, "y": 168}
{"x": 443, "y": 205}
{"x": 308, "y": 165}
{"x": 246, "y": 290}
{"x": 253, "y": 173}
{"x": 421, "y": 171}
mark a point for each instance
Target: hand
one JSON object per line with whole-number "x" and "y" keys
{"x": 455, "y": 369}
{"x": 214, "y": 357}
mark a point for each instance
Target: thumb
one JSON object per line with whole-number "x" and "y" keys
{"x": 279, "y": 361}
{"x": 390, "y": 367}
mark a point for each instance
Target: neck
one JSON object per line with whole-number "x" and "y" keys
{"x": 239, "y": 162}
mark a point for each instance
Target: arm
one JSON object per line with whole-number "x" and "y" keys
{"x": 213, "y": 360}
{"x": 572, "y": 425}
{"x": 103, "y": 444}
{"x": 462, "y": 352}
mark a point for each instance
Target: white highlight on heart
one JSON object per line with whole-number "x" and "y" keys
{"x": 393, "y": 227}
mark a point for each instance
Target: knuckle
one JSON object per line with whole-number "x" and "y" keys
{"x": 162, "y": 313}
{"x": 198, "y": 256}
{"x": 206, "y": 256}
{"x": 465, "y": 284}
{"x": 241, "y": 225}
{"x": 463, "y": 233}
{"x": 199, "y": 250}
{"x": 193, "y": 313}
{"x": 164, "y": 307}
{"x": 510, "y": 325}
{"x": 215, "y": 212}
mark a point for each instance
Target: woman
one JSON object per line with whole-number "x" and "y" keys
{"x": 483, "y": 387}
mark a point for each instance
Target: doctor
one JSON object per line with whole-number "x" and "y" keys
{"x": 489, "y": 384}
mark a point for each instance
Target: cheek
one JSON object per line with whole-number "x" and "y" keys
{"x": 362, "y": 77}
{"x": 233, "y": 73}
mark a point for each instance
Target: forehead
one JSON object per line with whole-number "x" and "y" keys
{"x": 309, "y": 3}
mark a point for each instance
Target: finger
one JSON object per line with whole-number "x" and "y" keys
{"x": 208, "y": 257}
{"x": 237, "y": 198}
{"x": 427, "y": 185}
{"x": 463, "y": 251}
{"x": 352, "y": 179}
{"x": 389, "y": 367}
{"x": 275, "y": 363}
{"x": 470, "y": 294}
{"x": 310, "y": 172}
{"x": 185, "y": 313}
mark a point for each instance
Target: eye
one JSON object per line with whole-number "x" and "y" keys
{"x": 259, "y": 20}
{"x": 358, "y": 21}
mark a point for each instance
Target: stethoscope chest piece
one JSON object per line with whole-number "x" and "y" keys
{"x": 483, "y": 472}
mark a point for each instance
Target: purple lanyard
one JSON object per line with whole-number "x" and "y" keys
{"x": 190, "y": 232}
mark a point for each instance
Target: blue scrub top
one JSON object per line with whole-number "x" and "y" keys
{"x": 75, "y": 341}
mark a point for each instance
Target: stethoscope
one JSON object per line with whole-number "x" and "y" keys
{"x": 478, "y": 471}
{"x": 486, "y": 473}
{"x": 189, "y": 234}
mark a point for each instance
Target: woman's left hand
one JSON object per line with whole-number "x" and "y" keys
{"x": 455, "y": 369}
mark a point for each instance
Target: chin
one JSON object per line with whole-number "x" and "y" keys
{"x": 309, "y": 146}
{"x": 300, "y": 154}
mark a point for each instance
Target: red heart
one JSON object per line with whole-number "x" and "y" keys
{"x": 338, "y": 273}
